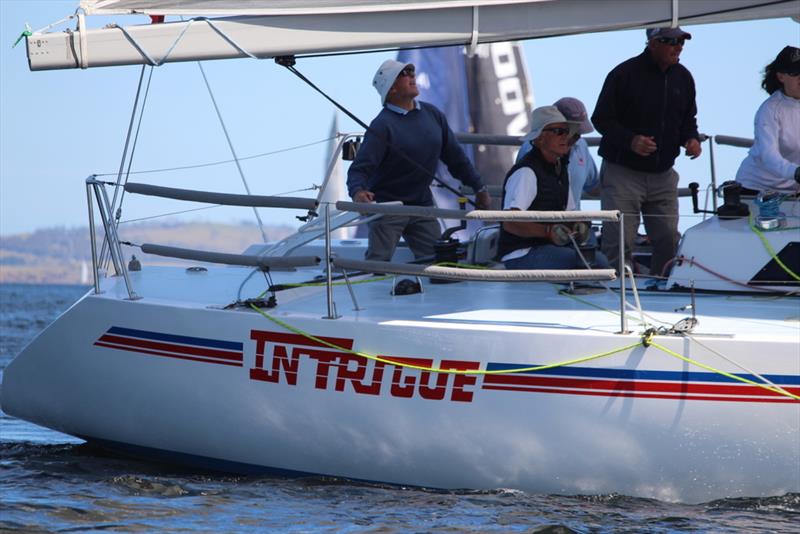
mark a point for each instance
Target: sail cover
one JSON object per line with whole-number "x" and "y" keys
{"x": 211, "y": 8}
{"x": 266, "y": 29}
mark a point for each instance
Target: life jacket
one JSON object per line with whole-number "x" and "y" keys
{"x": 552, "y": 194}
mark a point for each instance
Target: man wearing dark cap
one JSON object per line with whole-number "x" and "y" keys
{"x": 646, "y": 112}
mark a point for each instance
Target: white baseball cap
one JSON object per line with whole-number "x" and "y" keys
{"x": 386, "y": 75}
{"x": 544, "y": 115}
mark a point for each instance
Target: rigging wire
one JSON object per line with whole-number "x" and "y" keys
{"x": 233, "y": 150}
{"x": 102, "y": 260}
{"x": 289, "y": 62}
{"x": 170, "y": 213}
{"x": 118, "y": 214}
{"x": 222, "y": 162}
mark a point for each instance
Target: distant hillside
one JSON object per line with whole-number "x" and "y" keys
{"x": 63, "y": 256}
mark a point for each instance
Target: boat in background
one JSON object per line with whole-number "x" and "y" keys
{"x": 296, "y": 358}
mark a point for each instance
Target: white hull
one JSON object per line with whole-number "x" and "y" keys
{"x": 591, "y": 427}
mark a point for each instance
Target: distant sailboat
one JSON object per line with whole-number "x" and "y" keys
{"x": 85, "y": 277}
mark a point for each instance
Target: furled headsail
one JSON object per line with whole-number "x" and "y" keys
{"x": 271, "y": 28}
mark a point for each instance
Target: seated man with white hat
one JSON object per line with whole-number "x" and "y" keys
{"x": 583, "y": 176}
{"x": 540, "y": 182}
{"x": 398, "y": 160}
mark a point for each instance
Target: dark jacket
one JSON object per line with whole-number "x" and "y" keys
{"x": 552, "y": 194}
{"x": 422, "y": 136}
{"x": 639, "y": 99}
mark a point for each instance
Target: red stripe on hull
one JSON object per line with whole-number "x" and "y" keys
{"x": 782, "y": 399}
{"x": 168, "y": 355}
{"x": 169, "y": 347}
{"x": 626, "y": 385}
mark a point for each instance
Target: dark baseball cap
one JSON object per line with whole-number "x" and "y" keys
{"x": 788, "y": 60}
{"x": 677, "y": 33}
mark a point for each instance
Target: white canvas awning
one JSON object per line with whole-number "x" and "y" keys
{"x": 266, "y": 29}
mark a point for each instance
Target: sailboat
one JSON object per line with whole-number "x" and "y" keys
{"x": 539, "y": 380}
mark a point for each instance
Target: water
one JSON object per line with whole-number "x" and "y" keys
{"x": 50, "y": 482}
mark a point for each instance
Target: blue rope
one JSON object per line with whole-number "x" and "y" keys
{"x": 769, "y": 205}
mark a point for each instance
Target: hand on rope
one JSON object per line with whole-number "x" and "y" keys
{"x": 561, "y": 234}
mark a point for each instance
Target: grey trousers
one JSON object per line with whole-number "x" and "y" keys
{"x": 384, "y": 233}
{"x": 653, "y": 195}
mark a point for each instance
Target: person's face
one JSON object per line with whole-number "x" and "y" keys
{"x": 553, "y": 142}
{"x": 791, "y": 84}
{"x": 405, "y": 85}
{"x": 666, "y": 50}
{"x": 573, "y": 139}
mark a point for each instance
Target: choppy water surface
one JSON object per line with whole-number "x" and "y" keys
{"x": 55, "y": 483}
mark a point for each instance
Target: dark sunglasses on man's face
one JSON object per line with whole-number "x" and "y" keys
{"x": 672, "y": 41}
{"x": 408, "y": 71}
{"x": 557, "y": 131}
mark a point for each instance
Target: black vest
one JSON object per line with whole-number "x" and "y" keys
{"x": 552, "y": 194}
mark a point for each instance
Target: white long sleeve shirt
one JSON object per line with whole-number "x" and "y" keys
{"x": 775, "y": 154}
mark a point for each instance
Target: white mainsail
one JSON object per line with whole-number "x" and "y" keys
{"x": 266, "y": 29}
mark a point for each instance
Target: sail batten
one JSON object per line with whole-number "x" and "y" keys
{"x": 369, "y": 26}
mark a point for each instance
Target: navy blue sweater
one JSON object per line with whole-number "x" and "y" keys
{"x": 639, "y": 99}
{"x": 423, "y": 136}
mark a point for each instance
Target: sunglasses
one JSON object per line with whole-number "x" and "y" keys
{"x": 672, "y": 41}
{"x": 408, "y": 71}
{"x": 557, "y": 131}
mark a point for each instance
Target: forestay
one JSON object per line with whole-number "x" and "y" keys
{"x": 269, "y": 28}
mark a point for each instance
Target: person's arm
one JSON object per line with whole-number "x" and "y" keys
{"x": 372, "y": 152}
{"x": 520, "y": 193}
{"x": 606, "y": 116}
{"x": 592, "y": 184}
{"x": 459, "y": 164}
{"x": 689, "y": 136}
{"x": 767, "y": 142}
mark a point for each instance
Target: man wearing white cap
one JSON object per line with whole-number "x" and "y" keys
{"x": 582, "y": 170}
{"x": 646, "y": 112}
{"x": 540, "y": 182}
{"x": 398, "y": 160}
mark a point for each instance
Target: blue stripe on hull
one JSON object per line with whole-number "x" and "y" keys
{"x": 630, "y": 374}
{"x": 171, "y": 338}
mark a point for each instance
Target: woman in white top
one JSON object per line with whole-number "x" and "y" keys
{"x": 773, "y": 162}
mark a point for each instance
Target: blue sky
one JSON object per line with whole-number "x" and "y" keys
{"x": 58, "y": 127}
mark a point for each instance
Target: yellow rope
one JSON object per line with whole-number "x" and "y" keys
{"x": 437, "y": 369}
{"x": 646, "y": 341}
{"x": 723, "y": 373}
{"x": 771, "y": 251}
